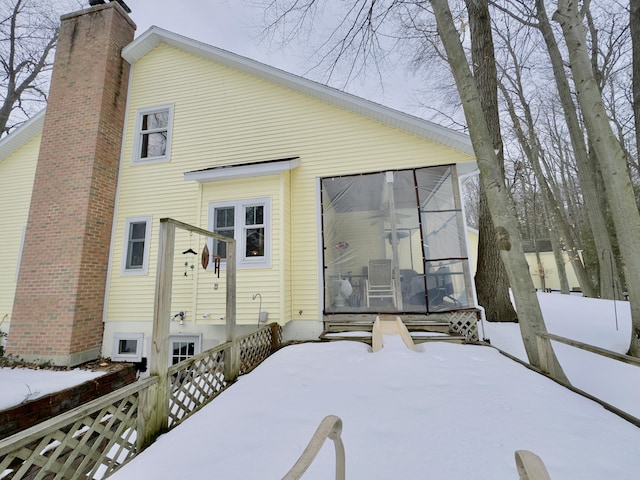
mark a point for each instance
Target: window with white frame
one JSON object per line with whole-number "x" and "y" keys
{"x": 153, "y": 134}
{"x": 136, "y": 245}
{"x": 182, "y": 347}
{"x": 127, "y": 347}
{"x": 247, "y": 221}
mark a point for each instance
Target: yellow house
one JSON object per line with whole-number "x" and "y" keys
{"x": 341, "y": 208}
{"x": 314, "y": 184}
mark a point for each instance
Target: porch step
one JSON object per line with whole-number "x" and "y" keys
{"x": 421, "y": 331}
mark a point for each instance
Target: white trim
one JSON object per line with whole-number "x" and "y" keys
{"x": 241, "y": 171}
{"x": 135, "y": 157}
{"x": 21, "y": 135}
{"x": 154, "y": 36}
{"x": 136, "y": 356}
{"x": 239, "y": 226}
{"x": 147, "y": 243}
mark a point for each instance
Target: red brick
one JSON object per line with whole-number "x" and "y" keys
{"x": 60, "y": 290}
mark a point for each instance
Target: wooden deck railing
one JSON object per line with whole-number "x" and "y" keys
{"x": 330, "y": 427}
{"x": 96, "y": 439}
{"x": 530, "y": 466}
{"x": 544, "y": 348}
{"x": 90, "y": 441}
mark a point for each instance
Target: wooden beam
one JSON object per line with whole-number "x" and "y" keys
{"x": 232, "y": 364}
{"x": 593, "y": 349}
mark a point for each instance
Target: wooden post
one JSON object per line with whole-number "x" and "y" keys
{"x": 232, "y": 363}
{"x": 546, "y": 355}
{"x": 159, "y": 363}
{"x": 543, "y": 353}
{"x": 146, "y": 414}
{"x": 275, "y": 336}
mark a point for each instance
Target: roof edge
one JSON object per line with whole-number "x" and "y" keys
{"x": 25, "y": 132}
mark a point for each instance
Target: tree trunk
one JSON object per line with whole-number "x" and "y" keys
{"x": 507, "y": 234}
{"x": 492, "y": 283}
{"x": 556, "y": 245}
{"x": 610, "y": 157}
{"x": 531, "y": 147}
{"x": 592, "y": 199}
{"x": 634, "y": 28}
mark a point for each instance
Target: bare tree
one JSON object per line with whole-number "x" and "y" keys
{"x": 507, "y": 234}
{"x": 609, "y": 153}
{"x": 492, "y": 283}
{"x": 524, "y": 125}
{"x": 634, "y": 25}
{"x": 28, "y": 34}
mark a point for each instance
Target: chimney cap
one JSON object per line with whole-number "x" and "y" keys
{"x": 121, "y": 2}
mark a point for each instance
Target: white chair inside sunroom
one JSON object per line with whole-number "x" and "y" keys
{"x": 379, "y": 283}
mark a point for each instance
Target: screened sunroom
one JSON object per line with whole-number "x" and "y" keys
{"x": 394, "y": 242}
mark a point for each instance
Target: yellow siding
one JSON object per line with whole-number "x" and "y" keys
{"x": 17, "y": 172}
{"x": 550, "y": 271}
{"x": 225, "y": 117}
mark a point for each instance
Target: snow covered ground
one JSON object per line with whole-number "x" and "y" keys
{"x": 18, "y": 385}
{"x": 446, "y": 412}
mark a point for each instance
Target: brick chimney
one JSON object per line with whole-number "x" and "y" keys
{"x": 58, "y": 305}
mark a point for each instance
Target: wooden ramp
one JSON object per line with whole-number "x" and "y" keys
{"x": 390, "y": 327}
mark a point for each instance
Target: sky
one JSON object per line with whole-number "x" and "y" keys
{"x": 446, "y": 411}
{"x": 234, "y": 26}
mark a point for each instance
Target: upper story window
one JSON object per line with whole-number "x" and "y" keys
{"x": 136, "y": 245}
{"x": 248, "y": 222}
{"x": 153, "y": 134}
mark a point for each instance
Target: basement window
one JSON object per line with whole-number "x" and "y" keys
{"x": 182, "y": 347}
{"x": 127, "y": 347}
{"x": 153, "y": 134}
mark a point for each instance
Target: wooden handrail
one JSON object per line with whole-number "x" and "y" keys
{"x": 530, "y": 466}
{"x": 331, "y": 426}
{"x": 593, "y": 349}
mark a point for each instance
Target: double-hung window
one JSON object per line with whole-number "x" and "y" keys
{"x": 153, "y": 134}
{"x": 136, "y": 245}
{"x": 246, "y": 221}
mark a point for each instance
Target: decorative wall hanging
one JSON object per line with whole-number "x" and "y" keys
{"x": 189, "y": 251}
{"x": 204, "y": 258}
{"x": 216, "y": 265}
